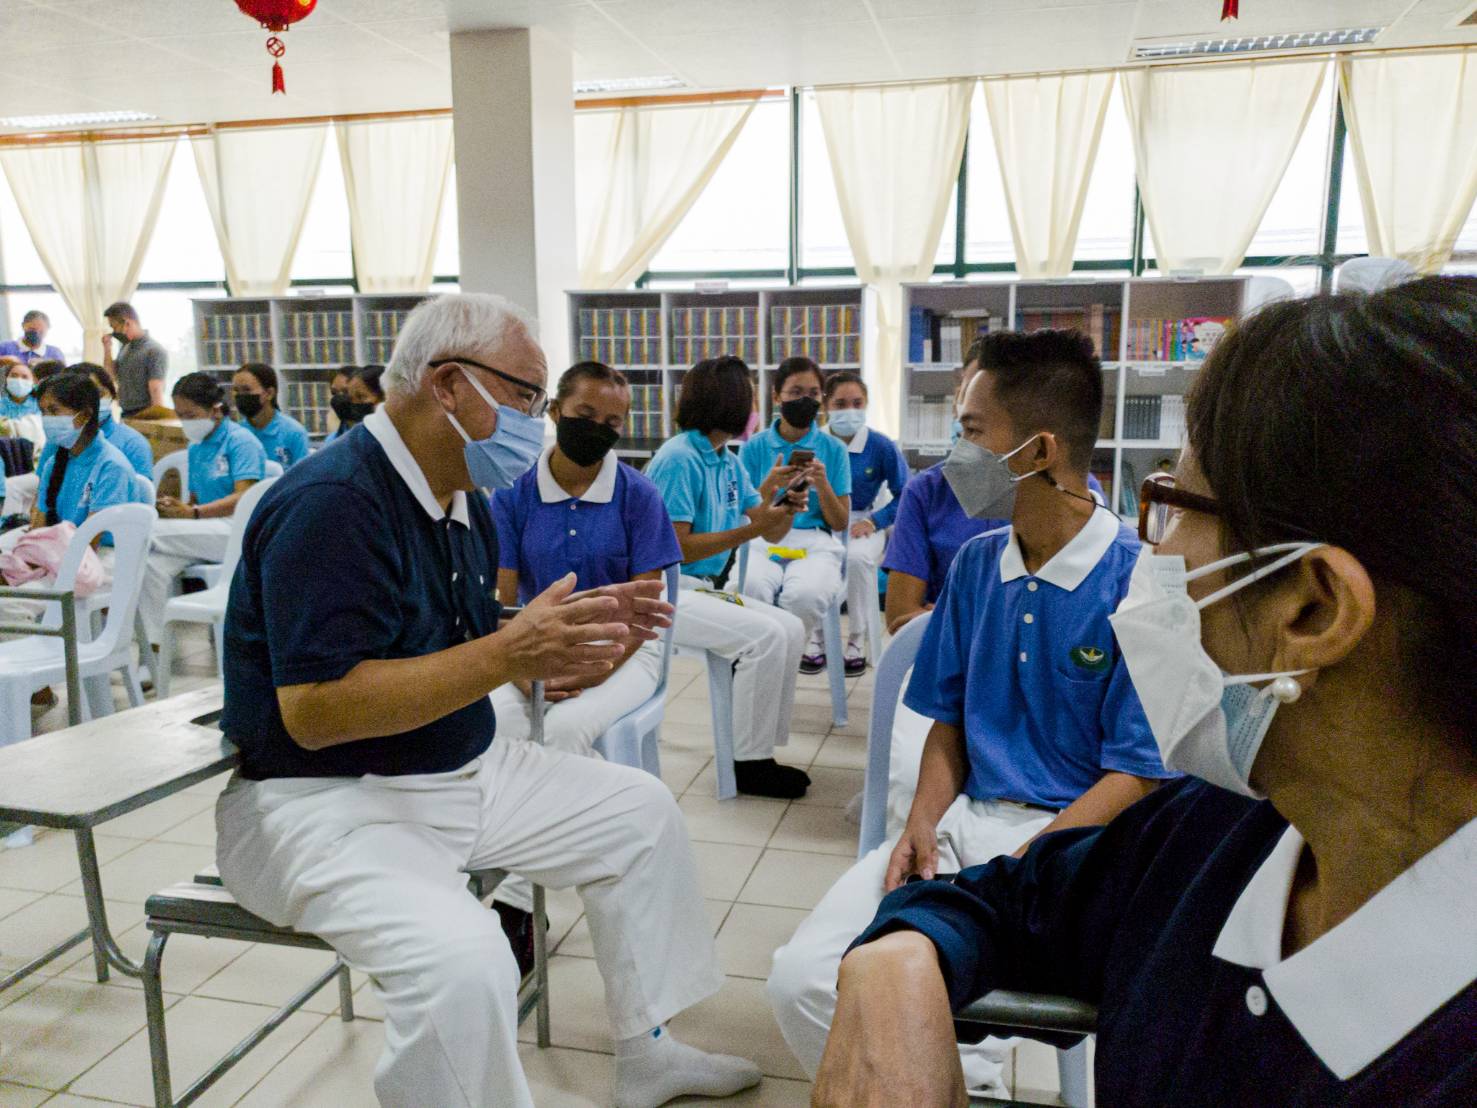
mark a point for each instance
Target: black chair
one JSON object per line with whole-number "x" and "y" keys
{"x": 18, "y": 456}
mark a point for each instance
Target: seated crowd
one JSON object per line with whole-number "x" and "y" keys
{"x": 1215, "y": 775}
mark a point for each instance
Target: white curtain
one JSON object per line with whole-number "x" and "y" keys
{"x": 395, "y": 173}
{"x": 90, "y": 208}
{"x": 1046, "y": 131}
{"x": 637, "y": 173}
{"x": 1413, "y": 128}
{"x": 1211, "y": 143}
{"x": 258, "y": 183}
{"x": 895, "y": 152}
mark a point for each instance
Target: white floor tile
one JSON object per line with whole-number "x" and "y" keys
{"x": 21, "y": 1096}
{"x": 63, "y": 1028}
{"x": 51, "y": 861}
{"x": 818, "y": 829}
{"x": 750, "y": 936}
{"x": 744, "y": 820}
{"x": 793, "y": 879}
{"x": 332, "y": 1068}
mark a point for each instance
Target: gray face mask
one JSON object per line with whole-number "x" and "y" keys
{"x": 982, "y": 479}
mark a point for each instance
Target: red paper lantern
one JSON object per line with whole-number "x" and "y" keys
{"x": 277, "y": 16}
{"x": 1230, "y": 9}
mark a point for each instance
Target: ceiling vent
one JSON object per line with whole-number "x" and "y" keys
{"x": 1256, "y": 44}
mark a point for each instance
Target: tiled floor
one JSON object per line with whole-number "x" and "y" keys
{"x": 67, "y": 1040}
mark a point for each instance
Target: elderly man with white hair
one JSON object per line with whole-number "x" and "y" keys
{"x": 362, "y": 641}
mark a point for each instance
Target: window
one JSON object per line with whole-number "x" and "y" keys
{"x": 184, "y": 246}
{"x": 823, "y": 241}
{"x": 1294, "y": 220}
{"x": 1352, "y": 238}
{"x": 324, "y": 249}
{"x": 741, "y": 220}
{"x": 448, "y": 261}
{"x": 18, "y": 258}
{"x": 987, "y": 217}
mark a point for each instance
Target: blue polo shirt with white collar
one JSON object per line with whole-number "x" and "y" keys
{"x": 758, "y": 458}
{"x": 617, "y": 530}
{"x": 1028, "y": 665}
{"x": 348, "y": 558}
{"x": 703, "y": 486}
{"x": 283, "y": 438}
{"x": 99, "y": 477}
{"x": 229, "y": 454}
{"x": 875, "y": 461}
{"x": 132, "y": 444}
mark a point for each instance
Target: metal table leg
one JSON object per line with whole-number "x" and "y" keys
{"x": 105, "y": 950}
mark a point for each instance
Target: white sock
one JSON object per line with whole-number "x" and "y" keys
{"x": 654, "y": 1068}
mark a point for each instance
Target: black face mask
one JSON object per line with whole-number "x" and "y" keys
{"x": 800, "y": 412}
{"x": 249, "y": 404}
{"x": 33, "y": 338}
{"x": 120, "y": 336}
{"x": 349, "y": 412}
{"x": 583, "y": 441}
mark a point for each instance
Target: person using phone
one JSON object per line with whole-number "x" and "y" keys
{"x": 802, "y": 572}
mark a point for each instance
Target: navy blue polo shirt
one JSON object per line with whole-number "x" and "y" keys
{"x": 615, "y": 532}
{"x": 1170, "y": 920}
{"x": 344, "y": 560}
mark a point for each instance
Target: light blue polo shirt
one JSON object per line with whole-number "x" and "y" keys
{"x": 758, "y": 454}
{"x": 11, "y": 408}
{"x": 1029, "y": 667}
{"x": 283, "y": 438}
{"x": 99, "y": 477}
{"x": 702, "y": 486}
{"x": 229, "y": 454}
{"x": 132, "y": 444}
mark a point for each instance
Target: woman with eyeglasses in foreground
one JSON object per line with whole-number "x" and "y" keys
{"x": 1296, "y": 925}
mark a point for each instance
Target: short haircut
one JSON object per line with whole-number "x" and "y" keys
{"x": 47, "y": 367}
{"x": 265, "y": 375}
{"x": 1048, "y": 380}
{"x": 120, "y": 309}
{"x": 717, "y": 395}
{"x": 200, "y": 388}
{"x": 451, "y": 326}
{"x": 75, "y": 391}
{"x": 973, "y": 354}
{"x": 370, "y": 375}
{"x": 588, "y": 371}
{"x": 846, "y": 377}
{"x": 34, "y": 314}
{"x": 793, "y": 367}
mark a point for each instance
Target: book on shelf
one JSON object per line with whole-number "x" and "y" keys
{"x": 708, "y": 332}
{"x": 827, "y": 333}
{"x": 308, "y": 403}
{"x": 945, "y": 338}
{"x": 1188, "y": 339}
{"x": 645, "y": 419}
{"x": 621, "y": 336}
{"x": 1100, "y": 322}
{"x": 235, "y": 338}
{"x": 928, "y": 419}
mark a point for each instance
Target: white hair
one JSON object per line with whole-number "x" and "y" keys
{"x": 465, "y": 325}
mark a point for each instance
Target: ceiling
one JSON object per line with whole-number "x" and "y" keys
{"x": 202, "y": 61}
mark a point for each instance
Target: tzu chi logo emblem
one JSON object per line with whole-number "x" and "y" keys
{"x": 1091, "y": 658}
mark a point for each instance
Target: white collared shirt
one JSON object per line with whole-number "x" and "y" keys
{"x": 382, "y": 427}
{"x": 599, "y": 492}
{"x": 1357, "y": 990}
{"x": 1070, "y": 565}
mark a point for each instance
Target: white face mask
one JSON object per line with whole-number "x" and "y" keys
{"x": 197, "y": 430}
{"x": 1206, "y": 722}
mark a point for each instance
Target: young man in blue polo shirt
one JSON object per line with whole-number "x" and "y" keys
{"x": 362, "y": 641}
{"x": 1037, "y": 724}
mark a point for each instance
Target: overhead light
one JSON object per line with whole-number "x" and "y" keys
{"x": 80, "y": 119}
{"x": 1256, "y": 44}
{"x": 628, "y": 84}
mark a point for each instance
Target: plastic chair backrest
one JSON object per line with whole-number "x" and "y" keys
{"x": 896, "y": 661}
{"x": 131, "y": 526}
{"x": 674, "y": 589}
{"x": 743, "y": 569}
{"x": 179, "y": 461}
{"x": 144, "y": 489}
{"x": 274, "y": 469}
{"x": 244, "y": 508}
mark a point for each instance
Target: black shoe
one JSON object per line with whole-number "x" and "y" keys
{"x": 766, "y": 777}
{"x": 518, "y": 927}
{"x": 855, "y": 667}
{"x": 813, "y": 663}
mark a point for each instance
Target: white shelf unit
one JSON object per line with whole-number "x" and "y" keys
{"x": 1147, "y": 325}
{"x": 761, "y": 326}
{"x": 304, "y": 338}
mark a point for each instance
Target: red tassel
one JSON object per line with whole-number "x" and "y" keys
{"x": 1230, "y": 9}
{"x": 278, "y": 85}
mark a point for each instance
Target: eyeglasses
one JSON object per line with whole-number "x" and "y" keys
{"x": 1161, "y": 505}
{"x": 536, "y": 399}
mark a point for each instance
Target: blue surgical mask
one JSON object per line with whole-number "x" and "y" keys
{"x": 846, "y": 422}
{"x": 18, "y": 387}
{"x": 955, "y": 430}
{"x": 498, "y": 461}
{"x": 61, "y": 431}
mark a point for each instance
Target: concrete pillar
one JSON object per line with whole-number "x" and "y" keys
{"x": 512, "y": 95}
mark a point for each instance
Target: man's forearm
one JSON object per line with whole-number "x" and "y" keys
{"x": 837, "y": 513}
{"x": 941, "y": 774}
{"x": 156, "y": 393}
{"x": 1100, "y": 804}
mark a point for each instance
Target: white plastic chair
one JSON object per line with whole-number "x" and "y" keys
{"x": 210, "y": 572}
{"x": 892, "y": 671}
{"x": 209, "y": 606}
{"x": 34, "y": 662}
{"x": 633, "y": 739}
{"x": 177, "y": 462}
{"x": 835, "y": 642}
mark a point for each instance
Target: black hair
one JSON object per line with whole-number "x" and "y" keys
{"x": 47, "y": 367}
{"x": 202, "y": 389}
{"x": 972, "y": 355}
{"x": 587, "y": 371}
{"x": 370, "y": 375}
{"x": 98, "y": 375}
{"x": 346, "y": 371}
{"x": 265, "y": 375}
{"x": 793, "y": 367}
{"x": 1352, "y": 420}
{"x": 845, "y": 377}
{"x": 120, "y": 309}
{"x": 1048, "y": 380}
{"x": 77, "y": 392}
{"x": 36, "y": 313}
{"x": 717, "y": 395}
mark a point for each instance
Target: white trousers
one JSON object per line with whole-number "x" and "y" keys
{"x": 909, "y": 734}
{"x": 20, "y": 494}
{"x": 573, "y": 725}
{"x": 863, "y": 556}
{"x": 806, "y": 586}
{"x": 765, "y": 644}
{"x": 177, "y": 545}
{"x": 802, "y": 982}
{"x": 374, "y": 866}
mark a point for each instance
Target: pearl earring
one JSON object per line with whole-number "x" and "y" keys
{"x": 1286, "y": 690}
